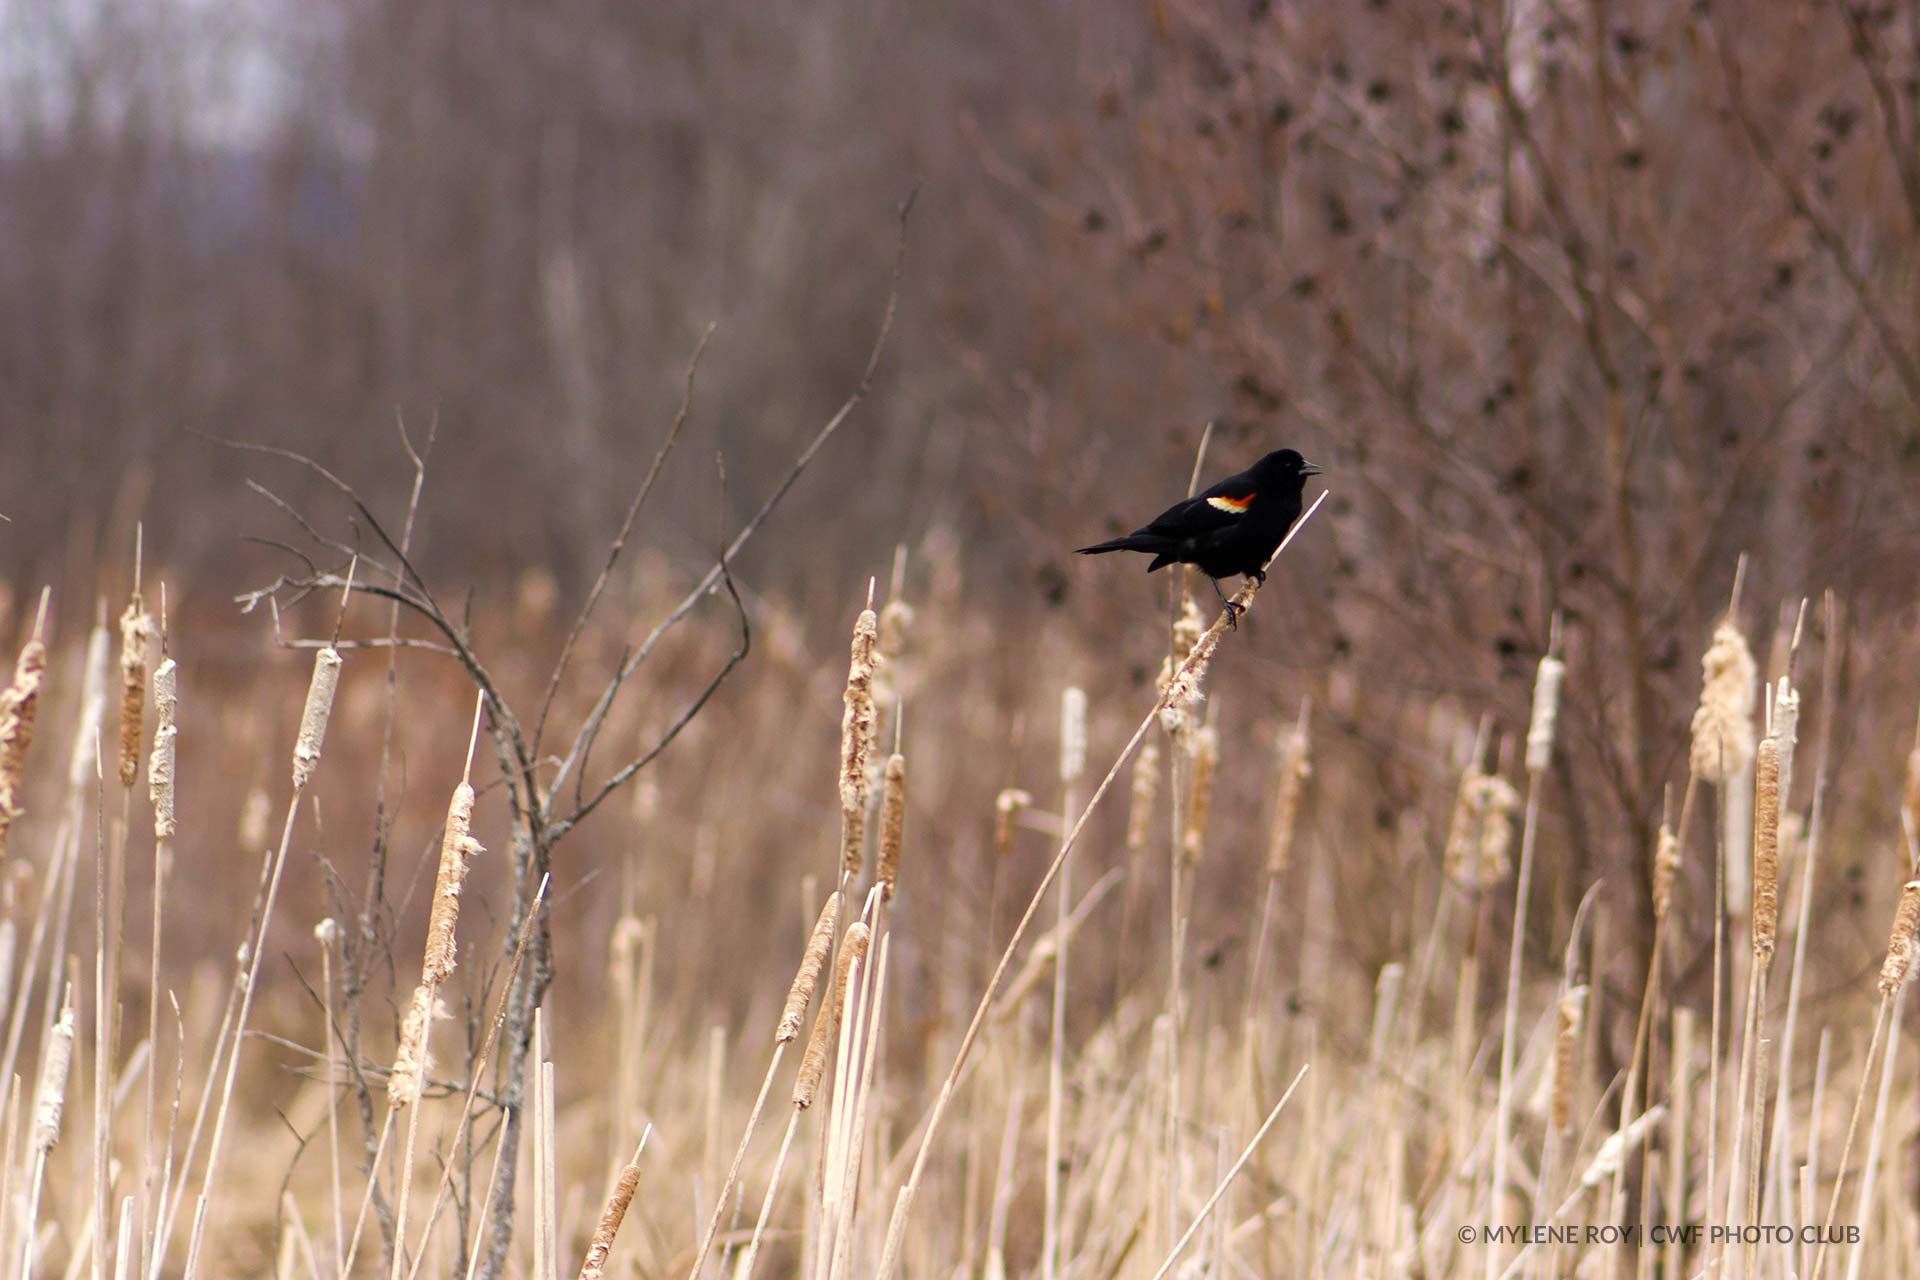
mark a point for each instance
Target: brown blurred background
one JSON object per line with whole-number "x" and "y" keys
{"x": 1576, "y": 303}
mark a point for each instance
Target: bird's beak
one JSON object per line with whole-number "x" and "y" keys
{"x": 1308, "y": 469}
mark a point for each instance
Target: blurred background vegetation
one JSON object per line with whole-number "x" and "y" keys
{"x": 1576, "y": 303}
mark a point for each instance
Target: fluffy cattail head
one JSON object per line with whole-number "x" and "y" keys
{"x": 1546, "y": 712}
{"x": 856, "y": 744}
{"x": 1146, "y": 787}
{"x": 51, "y": 1097}
{"x": 19, "y": 704}
{"x": 1901, "y": 945}
{"x": 1480, "y": 837}
{"x": 1006, "y": 809}
{"x": 1294, "y": 767}
{"x": 413, "y": 1059}
{"x": 1073, "y": 734}
{"x": 457, "y": 848}
{"x": 1205, "y": 751}
{"x": 1766, "y": 846}
{"x": 160, "y": 785}
{"x": 893, "y": 822}
{"x": 812, "y": 961}
{"x": 136, "y": 629}
{"x": 896, "y": 620}
{"x": 1723, "y": 722}
{"x": 1566, "y": 1041}
{"x": 1666, "y": 867}
{"x": 313, "y": 716}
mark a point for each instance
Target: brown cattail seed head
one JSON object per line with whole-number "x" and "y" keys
{"x": 1073, "y": 734}
{"x": 1146, "y": 786}
{"x": 1546, "y": 711}
{"x": 1566, "y": 1042}
{"x": 1006, "y": 808}
{"x": 136, "y": 628}
{"x": 1723, "y": 722}
{"x": 1766, "y": 846}
{"x": 826, "y": 1023}
{"x": 51, "y": 1096}
{"x": 893, "y": 822}
{"x": 412, "y": 1060}
{"x": 800, "y": 994}
{"x": 19, "y": 704}
{"x": 1206, "y": 758}
{"x": 1294, "y": 768}
{"x": 612, "y": 1214}
{"x": 457, "y": 848}
{"x": 160, "y": 787}
{"x": 313, "y": 717}
{"x": 1666, "y": 867}
{"x": 856, "y": 744}
{"x": 1900, "y": 947}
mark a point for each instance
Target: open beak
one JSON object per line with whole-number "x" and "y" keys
{"x": 1308, "y": 469}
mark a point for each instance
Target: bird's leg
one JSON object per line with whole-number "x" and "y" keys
{"x": 1233, "y": 610}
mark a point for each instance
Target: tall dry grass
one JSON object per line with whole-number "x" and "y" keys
{"x": 1011, "y": 1060}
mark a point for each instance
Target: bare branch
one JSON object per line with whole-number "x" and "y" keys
{"x": 620, "y": 540}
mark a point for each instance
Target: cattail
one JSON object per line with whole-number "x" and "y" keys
{"x": 612, "y": 1214}
{"x": 1459, "y": 860}
{"x": 1766, "y": 846}
{"x": 1480, "y": 837}
{"x": 1206, "y": 757}
{"x": 412, "y": 1059}
{"x": 1723, "y": 722}
{"x": 457, "y": 848}
{"x": 1073, "y": 734}
{"x": 893, "y": 822}
{"x": 1187, "y": 630}
{"x": 812, "y": 961}
{"x": 1786, "y": 727}
{"x": 1666, "y": 867}
{"x": 51, "y": 1096}
{"x": 1146, "y": 786}
{"x": 160, "y": 788}
{"x": 18, "y": 706}
{"x": 313, "y": 717}
{"x": 1294, "y": 768}
{"x": 136, "y": 629}
{"x": 255, "y": 811}
{"x": 1566, "y": 1041}
{"x": 1546, "y": 712}
{"x": 1183, "y": 687}
{"x": 1498, "y": 800}
{"x": 1006, "y": 808}
{"x": 1900, "y": 947}
{"x": 895, "y": 621}
{"x": 826, "y": 1023}
{"x": 327, "y": 933}
{"x": 856, "y": 744}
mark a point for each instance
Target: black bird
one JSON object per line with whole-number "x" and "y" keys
{"x": 1232, "y": 528}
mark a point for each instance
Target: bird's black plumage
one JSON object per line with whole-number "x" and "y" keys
{"x": 1232, "y": 528}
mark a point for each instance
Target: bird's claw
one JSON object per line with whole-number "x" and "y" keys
{"x": 1233, "y": 614}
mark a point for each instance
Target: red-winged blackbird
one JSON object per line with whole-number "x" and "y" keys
{"x": 1232, "y": 528}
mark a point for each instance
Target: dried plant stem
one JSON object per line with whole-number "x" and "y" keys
{"x": 327, "y": 934}
{"x": 1231, "y": 1174}
{"x": 1184, "y": 683}
{"x": 1510, "y": 1019}
{"x": 1073, "y": 758}
{"x": 1863, "y": 1210}
{"x": 1880, "y": 1019}
{"x": 745, "y": 1269}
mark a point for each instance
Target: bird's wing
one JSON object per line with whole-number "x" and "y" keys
{"x": 1231, "y": 496}
{"x": 1194, "y": 516}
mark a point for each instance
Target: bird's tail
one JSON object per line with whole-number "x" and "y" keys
{"x": 1132, "y": 542}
